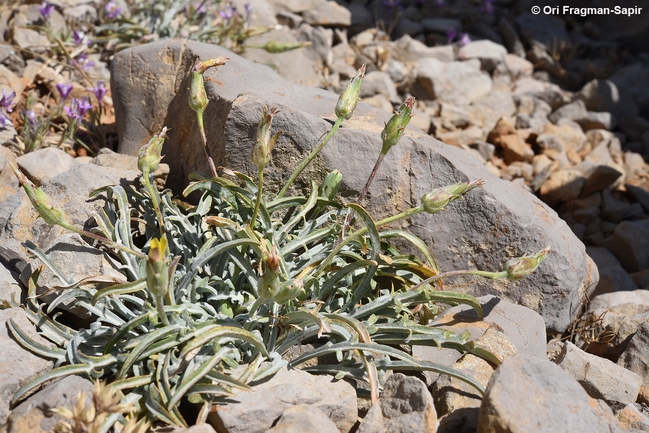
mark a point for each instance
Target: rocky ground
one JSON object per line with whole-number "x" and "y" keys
{"x": 552, "y": 104}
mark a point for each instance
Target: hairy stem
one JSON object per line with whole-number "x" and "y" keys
{"x": 366, "y": 188}
{"x": 208, "y": 154}
{"x": 310, "y": 157}
{"x": 260, "y": 187}
{"x": 486, "y": 274}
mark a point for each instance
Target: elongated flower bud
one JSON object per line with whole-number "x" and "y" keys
{"x": 330, "y": 184}
{"x": 280, "y": 47}
{"x": 439, "y": 198}
{"x": 150, "y": 154}
{"x": 268, "y": 284}
{"x": 261, "y": 151}
{"x": 520, "y": 267}
{"x": 157, "y": 268}
{"x": 396, "y": 126}
{"x": 197, "y": 95}
{"x": 288, "y": 291}
{"x": 349, "y": 98}
{"x": 41, "y": 201}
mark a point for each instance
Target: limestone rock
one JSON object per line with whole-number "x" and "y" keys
{"x": 602, "y": 379}
{"x": 43, "y": 164}
{"x": 256, "y": 411}
{"x": 633, "y": 256}
{"x": 454, "y": 82}
{"x": 303, "y": 418}
{"x": 17, "y": 365}
{"x": 529, "y": 394}
{"x": 405, "y": 406}
{"x": 636, "y": 358}
{"x": 34, "y": 414}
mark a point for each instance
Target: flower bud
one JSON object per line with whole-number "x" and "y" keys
{"x": 269, "y": 282}
{"x": 396, "y": 126}
{"x": 330, "y": 185}
{"x": 288, "y": 291}
{"x": 150, "y": 154}
{"x": 280, "y": 47}
{"x": 41, "y": 201}
{"x": 201, "y": 67}
{"x": 197, "y": 95}
{"x": 157, "y": 267}
{"x": 265, "y": 143}
{"x": 520, "y": 267}
{"x": 349, "y": 98}
{"x": 438, "y": 198}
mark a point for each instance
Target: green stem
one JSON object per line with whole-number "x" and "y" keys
{"x": 312, "y": 155}
{"x": 260, "y": 186}
{"x": 327, "y": 261}
{"x": 366, "y": 188}
{"x": 159, "y": 305}
{"x": 153, "y": 193}
{"x": 104, "y": 240}
{"x": 208, "y": 155}
{"x": 486, "y": 274}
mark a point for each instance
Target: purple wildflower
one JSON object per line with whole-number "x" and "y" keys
{"x": 64, "y": 90}
{"x": 99, "y": 91}
{"x": 30, "y": 115}
{"x": 7, "y": 100}
{"x": 78, "y": 108}
{"x": 228, "y": 12}
{"x": 464, "y": 39}
{"x": 112, "y": 10}
{"x": 440, "y": 3}
{"x": 46, "y": 9}
{"x": 451, "y": 35}
{"x": 78, "y": 36}
{"x": 248, "y": 8}
{"x": 488, "y": 7}
{"x": 4, "y": 119}
{"x": 82, "y": 60}
{"x": 5, "y": 105}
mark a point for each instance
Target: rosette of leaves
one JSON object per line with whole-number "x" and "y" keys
{"x": 237, "y": 278}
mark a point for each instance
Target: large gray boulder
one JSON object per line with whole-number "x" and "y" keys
{"x": 495, "y": 223}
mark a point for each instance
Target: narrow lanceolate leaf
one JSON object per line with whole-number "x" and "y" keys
{"x": 131, "y": 382}
{"x": 223, "y": 332}
{"x": 149, "y": 340}
{"x": 305, "y": 318}
{"x": 32, "y": 345}
{"x": 120, "y": 289}
{"x": 458, "y": 298}
{"x": 155, "y": 406}
{"x": 305, "y": 209}
{"x": 196, "y": 375}
{"x": 50, "y": 375}
{"x": 223, "y": 378}
{"x": 125, "y": 329}
{"x": 418, "y": 243}
{"x": 46, "y": 260}
{"x": 347, "y": 270}
{"x": 208, "y": 252}
{"x": 83, "y": 281}
{"x": 430, "y": 366}
{"x": 347, "y": 346}
{"x": 371, "y": 227}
